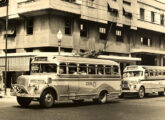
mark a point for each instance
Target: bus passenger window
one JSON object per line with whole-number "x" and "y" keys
{"x": 159, "y": 73}
{"x": 91, "y": 69}
{"x": 83, "y": 69}
{"x": 151, "y": 73}
{"x": 108, "y": 70}
{"x": 62, "y": 69}
{"x": 146, "y": 73}
{"x": 100, "y": 69}
{"x": 115, "y": 69}
{"x": 49, "y": 68}
{"x": 72, "y": 67}
{"x": 163, "y": 72}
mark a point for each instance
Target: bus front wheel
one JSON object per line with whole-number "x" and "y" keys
{"x": 47, "y": 99}
{"x": 141, "y": 93}
{"x": 23, "y": 101}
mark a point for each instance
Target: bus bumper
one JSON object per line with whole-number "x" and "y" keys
{"x": 20, "y": 91}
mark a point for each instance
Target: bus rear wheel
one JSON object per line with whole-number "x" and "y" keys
{"x": 102, "y": 97}
{"x": 141, "y": 93}
{"x": 47, "y": 99}
{"x": 161, "y": 93}
{"x": 23, "y": 101}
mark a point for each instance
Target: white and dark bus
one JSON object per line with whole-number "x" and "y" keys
{"x": 143, "y": 80}
{"x": 59, "y": 78}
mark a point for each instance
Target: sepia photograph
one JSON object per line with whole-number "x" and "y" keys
{"x": 82, "y": 59}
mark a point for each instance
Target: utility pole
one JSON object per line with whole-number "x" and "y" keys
{"x": 5, "y": 3}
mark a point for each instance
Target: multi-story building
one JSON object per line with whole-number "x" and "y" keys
{"x": 127, "y": 31}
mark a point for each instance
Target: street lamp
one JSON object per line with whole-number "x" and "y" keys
{"x": 59, "y": 37}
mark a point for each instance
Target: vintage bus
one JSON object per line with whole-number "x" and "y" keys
{"x": 59, "y": 78}
{"x": 143, "y": 80}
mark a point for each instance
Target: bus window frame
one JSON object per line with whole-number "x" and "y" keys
{"x": 95, "y": 71}
{"x": 75, "y": 72}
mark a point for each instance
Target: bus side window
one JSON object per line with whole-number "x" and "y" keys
{"x": 100, "y": 69}
{"x": 115, "y": 69}
{"x": 156, "y": 73}
{"x": 91, "y": 69}
{"x": 62, "y": 69}
{"x": 146, "y": 73}
{"x": 151, "y": 73}
{"x": 83, "y": 69}
{"x": 107, "y": 70}
{"x": 159, "y": 73}
{"x": 163, "y": 72}
{"x": 72, "y": 68}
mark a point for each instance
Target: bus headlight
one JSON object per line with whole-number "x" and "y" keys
{"x": 35, "y": 86}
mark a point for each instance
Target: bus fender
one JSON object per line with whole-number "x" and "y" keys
{"x": 51, "y": 88}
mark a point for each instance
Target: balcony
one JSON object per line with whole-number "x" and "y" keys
{"x": 30, "y": 7}
{"x": 149, "y": 50}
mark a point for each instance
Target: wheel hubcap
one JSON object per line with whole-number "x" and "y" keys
{"x": 141, "y": 93}
{"x": 48, "y": 98}
{"x": 103, "y": 98}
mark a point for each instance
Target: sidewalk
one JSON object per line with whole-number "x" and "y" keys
{"x": 7, "y": 95}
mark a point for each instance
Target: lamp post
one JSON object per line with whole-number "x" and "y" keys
{"x": 59, "y": 37}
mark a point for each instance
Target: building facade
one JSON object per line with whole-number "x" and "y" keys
{"x": 127, "y": 31}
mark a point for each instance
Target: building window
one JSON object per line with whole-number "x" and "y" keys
{"x": 152, "y": 16}
{"x": 119, "y": 36}
{"x": 29, "y": 26}
{"x": 162, "y": 19}
{"x": 102, "y": 32}
{"x": 142, "y": 14}
{"x": 69, "y": 0}
{"x": 83, "y": 30}
{"x": 146, "y": 41}
{"x": 126, "y": 2}
{"x": 91, "y": 3}
{"x": 68, "y": 26}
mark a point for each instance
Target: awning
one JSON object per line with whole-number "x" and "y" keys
{"x": 16, "y": 63}
{"x": 119, "y": 58}
{"x": 127, "y": 9}
{"x": 113, "y": 4}
{"x": 150, "y": 51}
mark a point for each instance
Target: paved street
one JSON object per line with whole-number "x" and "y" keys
{"x": 151, "y": 108}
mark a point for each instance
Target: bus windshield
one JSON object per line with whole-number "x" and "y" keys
{"x": 133, "y": 74}
{"x": 44, "y": 68}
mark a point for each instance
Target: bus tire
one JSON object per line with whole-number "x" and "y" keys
{"x": 161, "y": 93}
{"x": 47, "y": 99}
{"x": 24, "y": 101}
{"x": 102, "y": 97}
{"x": 122, "y": 95}
{"x": 141, "y": 93}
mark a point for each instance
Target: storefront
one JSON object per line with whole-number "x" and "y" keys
{"x": 17, "y": 64}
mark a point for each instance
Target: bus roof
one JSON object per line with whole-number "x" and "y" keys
{"x": 147, "y": 67}
{"x": 77, "y": 60}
